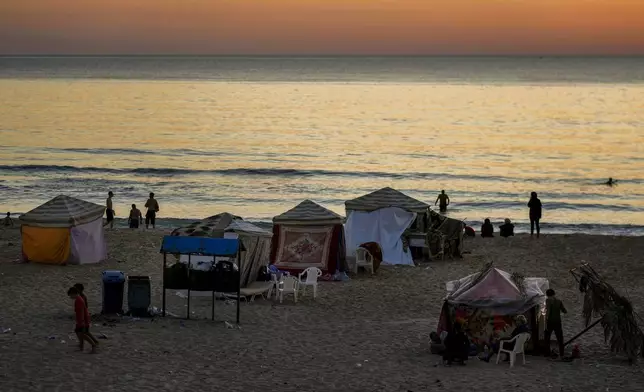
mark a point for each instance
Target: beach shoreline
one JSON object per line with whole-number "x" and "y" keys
{"x": 367, "y": 334}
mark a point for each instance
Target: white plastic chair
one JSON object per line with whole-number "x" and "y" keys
{"x": 288, "y": 285}
{"x": 363, "y": 259}
{"x": 519, "y": 347}
{"x": 312, "y": 275}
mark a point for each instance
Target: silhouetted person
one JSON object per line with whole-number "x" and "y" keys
{"x": 457, "y": 345}
{"x": 535, "y": 212}
{"x": 487, "y": 230}
{"x": 109, "y": 210}
{"x": 506, "y": 229}
{"x": 444, "y": 201}
{"x": 153, "y": 207}
{"x": 611, "y": 182}
{"x": 135, "y": 217}
{"x": 554, "y": 309}
{"x": 7, "y": 222}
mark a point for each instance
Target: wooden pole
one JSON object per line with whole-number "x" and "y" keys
{"x": 583, "y": 332}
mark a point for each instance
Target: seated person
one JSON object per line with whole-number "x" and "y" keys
{"x": 457, "y": 346}
{"x": 521, "y": 327}
{"x": 506, "y": 229}
{"x": 469, "y": 232}
{"x": 487, "y": 230}
{"x": 7, "y": 222}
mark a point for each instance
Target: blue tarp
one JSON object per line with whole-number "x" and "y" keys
{"x": 200, "y": 245}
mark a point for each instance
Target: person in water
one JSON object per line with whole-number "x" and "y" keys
{"x": 507, "y": 229}
{"x": 487, "y": 230}
{"x": 535, "y": 213}
{"x": 611, "y": 182}
{"x": 135, "y": 217}
{"x": 444, "y": 201}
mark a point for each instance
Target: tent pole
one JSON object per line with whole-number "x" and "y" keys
{"x": 214, "y": 258}
{"x": 239, "y": 280}
{"x": 188, "y": 315}
{"x": 163, "y": 281}
{"x": 583, "y": 332}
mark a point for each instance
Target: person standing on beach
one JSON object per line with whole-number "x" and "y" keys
{"x": 109, "y": 210}
{"x": 554, "y": 308}
{"x": 135, "y": 217}
{"x": 151, "y": 215}
{"x": 444, "y": 201}
{"x": 535, "y": 212}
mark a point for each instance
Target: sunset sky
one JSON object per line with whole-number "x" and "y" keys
{"x": 322, "y": 27}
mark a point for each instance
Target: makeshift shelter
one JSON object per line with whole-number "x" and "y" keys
{"x": 450, "y": 229}
{"x": 255, "y": 241}
{"x": 488, "y": 302}
{"x": 308, "y": 235}
{"x": 383, "y": 216}
{"x": 64, "y": 230}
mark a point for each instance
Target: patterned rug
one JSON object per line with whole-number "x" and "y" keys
{"x": 299, "y": 248}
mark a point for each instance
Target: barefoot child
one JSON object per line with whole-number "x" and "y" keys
{"x": 82, "y": 319}
{"x": 81, "y": 288}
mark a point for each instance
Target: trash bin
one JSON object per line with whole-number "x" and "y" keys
{"x": 113, "y": 285}
{"x": 138, "y": 295}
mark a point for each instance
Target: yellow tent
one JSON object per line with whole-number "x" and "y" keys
{"x": 64, "y": 230}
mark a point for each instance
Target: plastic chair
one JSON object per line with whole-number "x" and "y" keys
{"x": 288, "y": 285}
{"x": 274, "y": 287}
{"x": 519, "y": 347}
{"x": 312, "y": 275}
{"x": 363, "y": 259}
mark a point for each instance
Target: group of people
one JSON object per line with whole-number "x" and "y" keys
{"x": 135, "y": 218}
{"x": 507, "y": 228}
{"x": 457, "y": 345}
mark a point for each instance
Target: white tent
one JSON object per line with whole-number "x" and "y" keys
{"x": 382, "y": 216}
{"x": 64, "y": 230}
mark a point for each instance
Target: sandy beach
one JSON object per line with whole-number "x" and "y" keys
{"x": 368, "y": 334}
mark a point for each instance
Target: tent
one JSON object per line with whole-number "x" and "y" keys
{"x": 308, "y": 235}
{"x": 488, "y": 301}
{"x": 64, "y": 230}
{"x": 256, "y": 242}
{"x": 452, "y": 229}
{"x": 383, "y": 216}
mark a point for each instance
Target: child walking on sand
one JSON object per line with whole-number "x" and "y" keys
{"x": 81, "y": 288}
{"x": 82, "y": 319}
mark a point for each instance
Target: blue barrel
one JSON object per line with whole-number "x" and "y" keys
{"x": 138, "y": 295}
{"x": 113, "y": 286}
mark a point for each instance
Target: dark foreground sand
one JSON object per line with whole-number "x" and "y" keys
{"x": 370, "y": 334}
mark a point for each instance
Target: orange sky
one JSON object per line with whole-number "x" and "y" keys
{"x": 322, "y": 26}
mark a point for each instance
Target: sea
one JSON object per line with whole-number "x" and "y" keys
{"x": 254, "y": 136}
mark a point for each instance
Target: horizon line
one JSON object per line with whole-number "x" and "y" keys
{"x": 320, "y": 55}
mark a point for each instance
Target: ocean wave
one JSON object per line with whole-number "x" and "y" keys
{"x": 272, "y": 172}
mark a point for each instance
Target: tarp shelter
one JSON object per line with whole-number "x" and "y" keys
{"x": 308, "y": 235}
{"x": 64, "y": 230}
{"x": 205, "y": 247}
{"x": 382, "y": 216}
{"x": 256, "y": 242}
{"x": 487, "y": 303}
{"x": 452, "y": 229}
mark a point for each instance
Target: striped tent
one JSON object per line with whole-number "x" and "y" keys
{"x": 384, "y": 198}
{"x": 256, "y": 242}
{"x": 306, "y": 213}
{"x": 64, "y": 230}
{"x": 308, "y": 235}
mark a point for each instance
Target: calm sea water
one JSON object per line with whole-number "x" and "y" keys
{"x": 254, "y": 136}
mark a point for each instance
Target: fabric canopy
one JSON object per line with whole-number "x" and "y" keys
{"x": 307, "y": 213}
{"x": 63, "y": 211}
{"x": 496, "y": 289}
{"x": 384, "y": 226}
{"x": 383, "y": 198}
